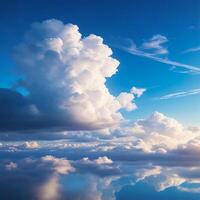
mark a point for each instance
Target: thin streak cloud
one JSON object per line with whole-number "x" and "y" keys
{"x": 194, "y": 49}
{"x": 140, "y": 53}
{"x": 181, "y": 94}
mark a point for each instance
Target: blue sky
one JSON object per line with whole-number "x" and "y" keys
{"x": 99, "y": 100}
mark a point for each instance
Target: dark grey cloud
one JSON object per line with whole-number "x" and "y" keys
{"x": 19, "y": 113}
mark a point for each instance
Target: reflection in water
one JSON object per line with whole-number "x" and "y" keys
{"x": 55, "y": 177}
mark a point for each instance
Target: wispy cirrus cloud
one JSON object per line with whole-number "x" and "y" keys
{"x": 137, "y": 52}
{"x": 154, "y": 49}
{"x": 190, "y": 50}
{"x": 181, "y": 94}
{"x": 156, "y": 45}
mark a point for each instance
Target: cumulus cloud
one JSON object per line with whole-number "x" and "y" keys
{"x": 65, "y": 75}
{"x": 102, "y": 166}
{"x": 143, "y": 173}
{"x": 99, "y": 161}
{"x": 137, "y": 91}
{"x": 166, "y": 177}
{"x": 161, "y": 133}
{"x": 103, "y": 160}
{"x": 31, "y": 145}
{"x": 125, "y": 100}
{"x": 11, "y": 166}
{"x": 59, "y": 165}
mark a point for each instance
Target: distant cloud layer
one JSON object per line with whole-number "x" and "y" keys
{"x": 65, "y": 76}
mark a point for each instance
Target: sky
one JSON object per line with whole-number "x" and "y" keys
{"x": 102, "y": 95}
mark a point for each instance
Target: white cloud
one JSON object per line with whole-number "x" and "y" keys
{"x": 137, "y": 91}
{"x": 31, "y": 145}
{"x": 190, "y": 190}
{"x": 125, "y": 100}
{"x": 59, "y": 165}
{"x": 156, "y": 44}
{"x": 194, "y": 49}
{"x": 137, "y": 52}
{"x": 71, "y": 70}
{"x": 99, "y": 161}
{"x": 11, "y": 166}
{"x": 181, "y": 94}
{"x": 103, "y": 160}
{"x": 144, "y": 173}
{"x": 167, "y": 179}
{"x": 160, "y": 133}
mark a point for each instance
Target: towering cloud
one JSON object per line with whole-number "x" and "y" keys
{"x": 65, "y": 76}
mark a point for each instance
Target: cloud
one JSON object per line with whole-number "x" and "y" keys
{"x": 102, "y": 166}
{"x": 137, "y": 91}
{"x": 103, "y": 160}
{"x": 158, "y": 136}
{"x": 138, "y": 52}
{"x": 189, "y": 190}
{"x": 158, "y": 139}
{"x": 31, "y": 145}
{"x": 11, "y": 166}
{"x": 131, "y": 191}
{"x": 161, "y": 133}
{"x": 59, "y": 165}
{"x": 125, "y": 100}
{"x": 17, "y": 111}
{"x": 181, "y": 94}
{"x": 144, "y": 173}
{"x": 34, "y": 178}
{"x": 65, "y": 75}
{"x": 42, "y": 179}
{"x": 99, "y": 161}
{"x": 166, "y": 177}
{"x": 50, "y": 177}
{"x": 194, "y": 49}
{"x": 155, "y": 44}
